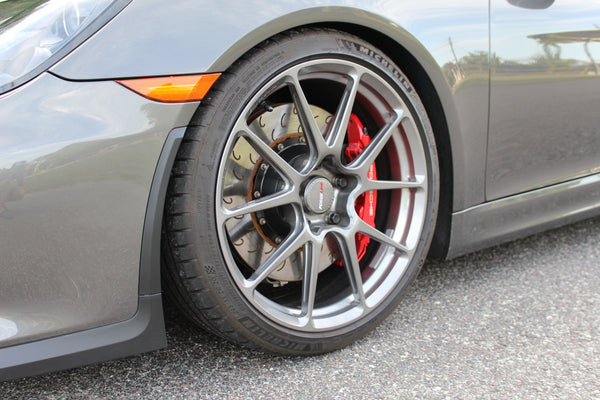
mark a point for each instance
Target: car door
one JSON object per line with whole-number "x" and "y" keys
{"x": 544, "y": 125}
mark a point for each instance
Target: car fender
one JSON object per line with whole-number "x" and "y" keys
{"x": 159, "y": 45}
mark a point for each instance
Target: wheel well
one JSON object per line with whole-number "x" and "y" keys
{"x": 426, "y": 90}
{"x": 420, "y": 80}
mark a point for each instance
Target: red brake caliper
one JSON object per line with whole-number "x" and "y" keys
{"x": 367, "y": 202}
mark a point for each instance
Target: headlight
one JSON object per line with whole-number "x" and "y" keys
{"x": 32, "y": 31}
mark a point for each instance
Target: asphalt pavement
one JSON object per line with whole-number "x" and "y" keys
{"x": 517, "y": 321}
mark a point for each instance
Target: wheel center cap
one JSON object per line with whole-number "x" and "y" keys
{"x": 318, "y": 195}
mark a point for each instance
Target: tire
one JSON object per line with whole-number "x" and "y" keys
{"x": 265, "y": 240}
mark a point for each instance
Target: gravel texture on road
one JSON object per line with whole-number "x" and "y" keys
{"x": 517, "y": 321}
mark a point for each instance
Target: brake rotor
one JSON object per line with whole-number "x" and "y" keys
{"x": 255, "y": 236}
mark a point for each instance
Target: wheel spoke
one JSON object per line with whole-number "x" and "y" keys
{"x": 271, "y": 156}
{"x": 312, "y": 131}
{"x": 312, "y": 253}
{"x": 375, "y": 234}
{"x": 337, "y": 131}
{"x": 370, "y": 153}
{"x": 279, "y": 255}
{"x": 236, "y": 188}
{"x": 349, "y": 255}
{"x": 240, "y": 229}
{"x": 419, "y": 184}
{"x": 265, "y": 203}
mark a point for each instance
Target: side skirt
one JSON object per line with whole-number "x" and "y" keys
{"x": 521, "y": 215}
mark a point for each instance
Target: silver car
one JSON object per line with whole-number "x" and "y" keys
{"x": 280, "y": 170}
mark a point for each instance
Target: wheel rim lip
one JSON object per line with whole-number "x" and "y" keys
{"x": 379, "y": 286}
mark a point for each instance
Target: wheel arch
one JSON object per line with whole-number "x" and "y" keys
{"x": 414, "y": 60}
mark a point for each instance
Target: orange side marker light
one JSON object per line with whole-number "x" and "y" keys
{"x": 172, "y": 89}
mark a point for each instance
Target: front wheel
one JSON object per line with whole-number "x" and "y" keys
{"x": 304, "y": 196}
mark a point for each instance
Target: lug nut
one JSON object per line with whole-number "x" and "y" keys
{"x": 262, "y": 221}
{"x": 301, "y": 139}
{"x": 263, "y": 167}
{"x": 277, "y": 240}
{"x": 341, "y": 182}
{"x": 280, "y": 146}
{"x": 333, "y": 218}
{"x": 256, "y": 194}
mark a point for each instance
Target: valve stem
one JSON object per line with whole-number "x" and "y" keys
{"x": 266, "y": 106}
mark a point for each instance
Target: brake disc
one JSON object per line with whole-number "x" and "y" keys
{"x": 255, "y": 236}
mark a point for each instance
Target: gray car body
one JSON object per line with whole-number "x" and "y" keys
{"x": 517, "y": 126}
